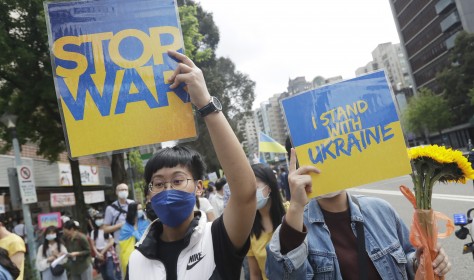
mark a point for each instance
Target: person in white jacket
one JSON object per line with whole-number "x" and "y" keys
{"x": 48, "y": 252}
{"x": 181, "y": 243}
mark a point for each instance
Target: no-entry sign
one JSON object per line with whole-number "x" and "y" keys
{"x": 27, "y": 184}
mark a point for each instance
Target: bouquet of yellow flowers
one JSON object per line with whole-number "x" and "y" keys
{"x": 432, "y": 164}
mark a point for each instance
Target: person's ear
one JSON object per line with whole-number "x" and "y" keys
{"x": 199, "y": 186}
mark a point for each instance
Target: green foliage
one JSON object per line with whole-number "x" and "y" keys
{"x": 234, "y": 89}
{"x": 191, "y": 36}
{"x": 457, "y": 80}
{"x": 26, "y": 83}
{"x": 136, "y": 162}
{"x": 427, "y": 111}
{"x": 30, "y": 270}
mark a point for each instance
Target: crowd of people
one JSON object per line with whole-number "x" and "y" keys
{"x": 254, "y": 219}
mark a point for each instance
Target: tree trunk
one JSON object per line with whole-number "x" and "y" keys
{"x": 119, "y": 174}
{"x": 80, "y": 209}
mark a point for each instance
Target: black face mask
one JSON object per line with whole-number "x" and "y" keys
{"x": 150, "y": 214}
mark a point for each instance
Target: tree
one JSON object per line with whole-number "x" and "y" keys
{"x": 457, "y": 80}
{"x": 234, "y": 89}
{"x": 427, "y": 112}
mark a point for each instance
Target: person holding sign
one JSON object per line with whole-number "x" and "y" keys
{"x": 320, "y": 239}
{"x": 182, "y": 244}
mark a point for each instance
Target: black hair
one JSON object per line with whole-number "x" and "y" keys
{"x": 7, "y": 263}
{"x": 220, "y": 183}
{"x": 172, "y": 157}
{"x": 3, "y": 219}
{"x": 57, "y": 239}
{"x": 277, "y": 211}
{"x": 95, "y": 231}
{"x": 198, "y": 204}
{"x": 288, "y": 146}
{"x": 131, "y": 213}
{"x": 70, "y": 225}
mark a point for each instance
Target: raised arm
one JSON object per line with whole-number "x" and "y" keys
{"x": 229, "y": 152}
{"x": 287, "y": 252}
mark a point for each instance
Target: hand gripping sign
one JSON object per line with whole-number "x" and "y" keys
{"x": 349, "y": 130}
{"x": 110, "y": 71}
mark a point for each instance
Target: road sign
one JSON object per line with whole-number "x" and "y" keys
{"x": 27, "y": 184}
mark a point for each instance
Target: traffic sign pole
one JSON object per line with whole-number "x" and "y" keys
{"x": 30, "y": 236}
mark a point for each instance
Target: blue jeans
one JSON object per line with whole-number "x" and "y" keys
{"x": 109, "y": 270}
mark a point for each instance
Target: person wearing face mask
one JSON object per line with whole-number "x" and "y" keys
{"x": 106, "y": 260}
{"x": 341, "y": 236}
{"x": 181, "y": 243}
{"x": 116, "y": 212}
{"x": 50, "y": 250}
{"x": 270, "y": 211}
{"x": 135, "y": 225}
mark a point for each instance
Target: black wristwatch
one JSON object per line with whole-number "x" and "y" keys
{"x": 213, "y": 106}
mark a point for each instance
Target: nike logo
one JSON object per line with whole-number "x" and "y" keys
{"x": 194, "y": 259}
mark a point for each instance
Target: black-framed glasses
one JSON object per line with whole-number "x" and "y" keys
{"x": 158, "y": 185}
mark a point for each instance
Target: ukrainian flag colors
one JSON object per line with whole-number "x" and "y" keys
{"x": 269, "y": 145}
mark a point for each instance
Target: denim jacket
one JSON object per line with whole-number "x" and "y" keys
{"x": 386, "y": 241}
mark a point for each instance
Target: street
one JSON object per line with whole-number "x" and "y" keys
{"x": 447, "y": 198}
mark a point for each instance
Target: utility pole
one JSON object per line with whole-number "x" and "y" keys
{"x": 10, "y": 121}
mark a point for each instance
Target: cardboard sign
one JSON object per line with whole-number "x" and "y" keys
{"x": 350, "y": 131}
{"x": 49, "y": 219}
{"x": 111, "y": 74}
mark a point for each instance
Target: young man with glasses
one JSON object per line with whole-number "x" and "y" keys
{"x": 181, "y": 244}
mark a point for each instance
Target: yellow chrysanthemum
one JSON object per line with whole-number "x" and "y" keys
{"x": 433, "y": 164}
{"x": 448, "y": 157}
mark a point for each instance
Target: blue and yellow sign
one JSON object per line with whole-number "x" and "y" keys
{"x": 110, "y": 71}
{"x": 350, "y": 131}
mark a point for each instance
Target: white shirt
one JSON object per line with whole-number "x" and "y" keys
{"x": 100, "y": 242}
{"x": 204, "y": 205}
{"x": 217, "y": 202}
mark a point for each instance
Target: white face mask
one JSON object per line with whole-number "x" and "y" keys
{"x": 261, "y": 200}
{"x": 99, "y": 222}
{"x": 123, "y": 194}
{"x": 329, "y": 195}
{"x": 50, "y": 236}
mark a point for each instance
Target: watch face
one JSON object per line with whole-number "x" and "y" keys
{"x": 217, "y": 103}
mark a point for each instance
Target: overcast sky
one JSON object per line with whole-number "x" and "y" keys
{"x": 272, "y": 41}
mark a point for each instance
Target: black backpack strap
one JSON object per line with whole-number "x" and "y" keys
{"x": 361, "y": 251}
{"x": 119, "y": 209}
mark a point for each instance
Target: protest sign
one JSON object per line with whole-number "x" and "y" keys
{"x": 350, "y": 131}
{"x": 111, "y": 74}
{"x": 49, "y": 219}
